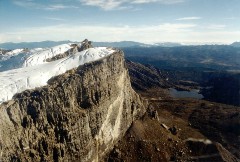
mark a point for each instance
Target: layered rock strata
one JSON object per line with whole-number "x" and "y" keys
{"x": 78, "y": 116}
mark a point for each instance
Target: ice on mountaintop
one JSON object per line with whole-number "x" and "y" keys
{"x": 35, "y": 72}
{"x": 22, "y": 58}
{"x": 39, "y": 57}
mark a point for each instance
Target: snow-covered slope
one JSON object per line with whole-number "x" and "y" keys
{"x": 22, "y": 58}
{"x": 37, "y": 74}
{"x": 40, "y": 56}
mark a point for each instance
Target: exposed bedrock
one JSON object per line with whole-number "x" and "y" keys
{"x": 78, "y": 116}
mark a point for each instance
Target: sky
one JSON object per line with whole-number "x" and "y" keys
{"x": 147, "y": 21}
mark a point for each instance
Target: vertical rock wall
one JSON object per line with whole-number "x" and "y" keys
{"x": 79, "y": 116}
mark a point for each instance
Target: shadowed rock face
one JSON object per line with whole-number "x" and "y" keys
{"x": 79, "y": 116}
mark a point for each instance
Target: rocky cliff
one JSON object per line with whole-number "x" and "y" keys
{"x": 78, "y": 116}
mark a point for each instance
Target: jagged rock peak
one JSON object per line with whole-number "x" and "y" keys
{"x": 85, "y": 45}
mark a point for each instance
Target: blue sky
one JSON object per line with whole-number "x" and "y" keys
{"x": 149, "y": 21}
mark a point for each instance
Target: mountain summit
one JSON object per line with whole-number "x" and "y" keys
{"x": 71, "y": 109}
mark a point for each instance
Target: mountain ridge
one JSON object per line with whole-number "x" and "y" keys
{"x": 236, "y": 44}
{"x": 78, "y": 116}
{"x": 117, "y": 44}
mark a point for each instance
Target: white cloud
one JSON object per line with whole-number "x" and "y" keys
{"x": 216, "y": 36}
{"x": 54, "y": 18}
{"x": 19, "y": 38}
{"x": 59, "y": 7}
{"x": 37, "y": 5}
{"x": 104, "y": 4}
{"x": 168, "y": 27}
{"x": 216, "y": 27}
{"x": 122, "y": 4}
{"x": 162, "y": 32}
{"x": 166, "y": 32}
{"x": 189, "y": 18}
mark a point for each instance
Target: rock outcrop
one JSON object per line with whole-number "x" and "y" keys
{"x": 75, "y": 49}
{"x": 78, "y": 116}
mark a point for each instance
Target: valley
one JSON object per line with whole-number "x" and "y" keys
{"x": 175, "y": 128}
{"x": 184, "y": 68}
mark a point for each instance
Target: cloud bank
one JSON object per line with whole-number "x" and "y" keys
{"x": 166, "y": 32}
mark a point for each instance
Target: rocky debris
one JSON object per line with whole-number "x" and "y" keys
{"x": 85, "y": 45}
{"x": 57, "y": 57}
{"x": 173, "y": 130}
{"x": 75, "y": 48}
{"x": 146, "y": 140}
{"x": 79, "y": 116}
{"x": 152, "y": 112}
{"x": 165, "y": 126}
{"x": 206, "y": 150}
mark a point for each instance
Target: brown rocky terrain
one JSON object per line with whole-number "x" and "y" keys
{"x": 178, "y": 129}
{"x": 78, "y": 116}
{"x": 145, "y": 77}
{"x": 182, "y": 130}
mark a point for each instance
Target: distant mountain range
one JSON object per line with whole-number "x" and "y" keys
{"x": 236, "y": 44}
{"x": 121, "y": 44}
{"x": 168, "y": 44}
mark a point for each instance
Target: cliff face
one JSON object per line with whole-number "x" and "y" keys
{"x": 78, "y": 116}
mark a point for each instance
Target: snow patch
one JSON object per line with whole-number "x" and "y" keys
{"x": 37, "y": 72}
{"x": 40, "y": 55}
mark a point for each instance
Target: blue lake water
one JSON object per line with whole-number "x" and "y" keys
{"x": 194, "y": 93}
